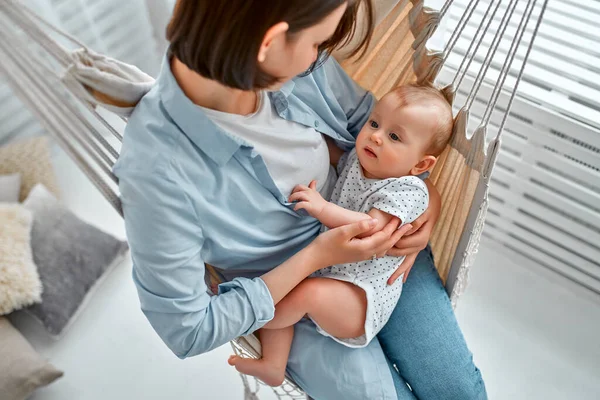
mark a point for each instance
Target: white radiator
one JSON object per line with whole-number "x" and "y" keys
{"x": 545, "y": 190}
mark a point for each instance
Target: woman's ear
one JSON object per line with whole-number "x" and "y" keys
{"x": 426, "y": 164}
{"x": 274, "y": 33}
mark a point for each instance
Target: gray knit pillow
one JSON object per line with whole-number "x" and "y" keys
{"x": 71, "y": 257}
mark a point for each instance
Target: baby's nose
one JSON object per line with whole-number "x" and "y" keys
{"x": 375, "y": 138}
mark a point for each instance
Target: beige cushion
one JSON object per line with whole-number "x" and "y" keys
{"x": 30, "y": 158}
{"x": 23, "y": 370}
{"x": 20, "y": 284}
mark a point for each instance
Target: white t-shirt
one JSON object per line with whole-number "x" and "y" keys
{"x": 294, "y": 153}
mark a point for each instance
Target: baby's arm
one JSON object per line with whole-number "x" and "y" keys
{"x": 331, "y": 215}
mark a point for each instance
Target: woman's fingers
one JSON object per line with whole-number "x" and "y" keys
{"x": 396, "y": 252}
{"x": 403, "y": 268}
{"x": 391, "y": 226}
{"x": 405, "y": 229}
{"x": 416, "y": 225}
{"x": 395, "y": 234}
{"x": 313, "y": 184}
{"x": 416, "y": 240}
{"x": 389, "y": 243}
{"x": 379, "y": 242}
{"x": 352, "y": 230}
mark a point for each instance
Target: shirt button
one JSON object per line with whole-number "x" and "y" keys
{"x": 316, "y": 124}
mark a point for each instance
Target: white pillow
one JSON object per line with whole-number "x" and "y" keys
{"x": 10, "y": 186}
{"x": 20, "y": 284}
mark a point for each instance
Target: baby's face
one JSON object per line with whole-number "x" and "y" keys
{"x": 394, "y": 139}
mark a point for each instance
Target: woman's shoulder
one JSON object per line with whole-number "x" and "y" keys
{"x": 152, "y": 141}
{"x": 150, "y": 125}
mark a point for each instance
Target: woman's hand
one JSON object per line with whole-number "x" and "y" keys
{"x": 340, "y": 245}
{"x": 417, "y": 238}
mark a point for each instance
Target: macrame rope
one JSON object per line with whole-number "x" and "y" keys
{"x": 468, "y": 57}
{"x": 487, "y": 62}
{"x": 508, "y": 62}
{"x": 459, "y": 28}
{"x": 520, "y": 75}
{"x": 445, "y": 8}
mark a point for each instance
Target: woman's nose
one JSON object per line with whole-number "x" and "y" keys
{"x": 376, "y": 139}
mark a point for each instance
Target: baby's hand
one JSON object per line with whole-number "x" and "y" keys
{"x": 308, "y": 198}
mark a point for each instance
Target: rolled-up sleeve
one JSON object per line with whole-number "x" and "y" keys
{"x": 356, "y": 102}
{"x": 166, "y": 241}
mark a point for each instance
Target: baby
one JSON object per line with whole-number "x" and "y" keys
{"x": 406, "y": 132}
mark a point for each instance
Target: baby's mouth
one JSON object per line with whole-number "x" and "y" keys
{"x": 370, "y": 152}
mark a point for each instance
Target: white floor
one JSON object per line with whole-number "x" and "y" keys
{"x": 534, "y": 335}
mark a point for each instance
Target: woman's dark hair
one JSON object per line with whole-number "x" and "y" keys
{"x": 220, "y": 39}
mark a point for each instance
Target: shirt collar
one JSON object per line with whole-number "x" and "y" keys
{"x": 193, "y": 122}
{"x": 287, "y": 88}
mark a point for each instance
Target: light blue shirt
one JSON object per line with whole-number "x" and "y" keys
{"x": 194, "y": 194}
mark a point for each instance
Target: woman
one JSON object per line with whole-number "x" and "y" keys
{"x": 206, "y": 166}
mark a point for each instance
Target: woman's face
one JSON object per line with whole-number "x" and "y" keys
{"x": 289, "y": 55}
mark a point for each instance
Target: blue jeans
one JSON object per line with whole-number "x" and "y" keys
{"x": 422, "y": 338}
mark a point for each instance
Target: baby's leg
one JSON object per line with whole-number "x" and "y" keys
{"x": 270, "y": 369}
{"x": 339, "y": 307}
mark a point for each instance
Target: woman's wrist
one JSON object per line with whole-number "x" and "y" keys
{"x": 281, "y": 280}
{"x": 316, "y": 256}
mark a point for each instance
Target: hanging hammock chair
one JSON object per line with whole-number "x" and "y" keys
{"x": 69, "y": 91}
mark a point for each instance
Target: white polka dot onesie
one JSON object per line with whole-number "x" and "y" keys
{"x": 405, "y": 197}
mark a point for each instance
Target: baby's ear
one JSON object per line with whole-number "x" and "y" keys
{"x": 426, "y": 164}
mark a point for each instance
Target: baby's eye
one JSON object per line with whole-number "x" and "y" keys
{"x": 374, "y": 124}
{"x": 393, "y": 136}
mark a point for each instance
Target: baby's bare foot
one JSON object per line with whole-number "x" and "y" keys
{"x": 261, "y": 369}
